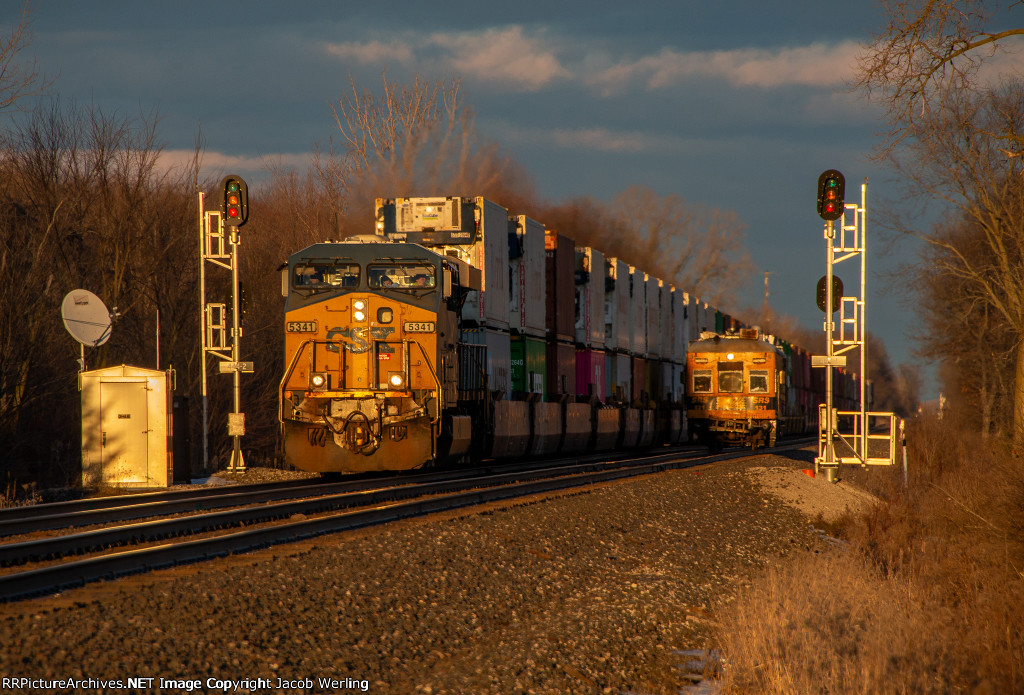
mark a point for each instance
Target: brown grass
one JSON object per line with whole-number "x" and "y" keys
{"x": 926, "y": 596}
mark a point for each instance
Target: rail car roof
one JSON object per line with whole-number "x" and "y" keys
{"x": 361, "y": 250}
{"x": 721, "y": 343}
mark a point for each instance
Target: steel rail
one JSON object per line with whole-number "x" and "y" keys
{"x": 106, "y": 510}
{"x": 55, "y": 578}
{"x": 329, "y": 500}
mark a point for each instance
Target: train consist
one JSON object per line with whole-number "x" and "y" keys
{"x": 459, "y": 331}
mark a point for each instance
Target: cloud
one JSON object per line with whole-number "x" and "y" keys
{"x": 369, "y": 52}
{"x": 217, "y": 164}
{"x": 504, "y": 57}
{"x": 818, "y": 65}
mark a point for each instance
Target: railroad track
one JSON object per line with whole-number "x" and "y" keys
{"x": 307, "y": 510}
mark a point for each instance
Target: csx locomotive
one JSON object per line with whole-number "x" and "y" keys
{"x": 370, "y": 336}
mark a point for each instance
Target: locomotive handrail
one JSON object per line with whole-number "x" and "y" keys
{"x": 288, "y": 375}
{"x": 433, "y": 374}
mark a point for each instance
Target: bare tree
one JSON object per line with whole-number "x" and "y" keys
{"x": 19, "y": 79}
{"x": 692, "y": 246}
{"x": 419, "y": 139}
{"x": 928, "y": 51}
{"x": 959, "y": 133}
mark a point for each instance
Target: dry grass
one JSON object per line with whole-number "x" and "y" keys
{"x": 927, "y": 595}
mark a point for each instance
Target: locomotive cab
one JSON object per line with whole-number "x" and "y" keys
{"x": 370, "y": 368}
{"x": 736, "y": 390}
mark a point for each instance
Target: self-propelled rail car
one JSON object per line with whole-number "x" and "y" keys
{"x": 737, "y": 390}
{"x": 370, "y": 347}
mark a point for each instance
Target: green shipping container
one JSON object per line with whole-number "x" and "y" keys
{"x": 528, "y": 360}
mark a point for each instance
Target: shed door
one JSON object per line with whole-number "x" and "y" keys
{"x": 125, "y": 432}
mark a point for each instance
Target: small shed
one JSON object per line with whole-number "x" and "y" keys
{"x": 127, "y": 427}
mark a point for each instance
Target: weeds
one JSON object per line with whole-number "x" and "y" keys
{"x": 927, "y": 596}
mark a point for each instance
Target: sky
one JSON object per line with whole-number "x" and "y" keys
{"x": 737, "y": 105}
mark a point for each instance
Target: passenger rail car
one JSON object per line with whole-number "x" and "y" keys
{"x": 736, "y": 390}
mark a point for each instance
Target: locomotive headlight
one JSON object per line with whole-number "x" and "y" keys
{"x": 396, "y": 380}
{"x": 359, "y": 310}
{"x": 318, "y": 380}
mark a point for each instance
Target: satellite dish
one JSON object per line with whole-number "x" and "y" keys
{"x": 86, "y": 317}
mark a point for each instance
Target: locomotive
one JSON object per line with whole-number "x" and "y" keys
{"x": 461, "y": 332}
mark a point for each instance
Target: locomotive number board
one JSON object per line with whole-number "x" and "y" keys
{"x": 301, "y": 327}
{"x": 419, "y": 327}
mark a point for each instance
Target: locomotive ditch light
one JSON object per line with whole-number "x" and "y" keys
{"x": 318, "y": 380}
{"x": 396, "y": 380}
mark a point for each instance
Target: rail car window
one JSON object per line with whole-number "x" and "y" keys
{"x": 702, "y": 381}
{"x": 759, "y": 381}
{"x": 402, "y": 276}
{"x": 730, "y": 377}
{"x": 314, "y": 276}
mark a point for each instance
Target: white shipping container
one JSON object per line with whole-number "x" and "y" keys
{"x": 488, "y": 252}
{"x": 618, "y": 327}
{"x": 590, "y": 297}
{"x": 526, "y": 307}
{"x": 654, "y": 317}
{"x": 638, "y": 312}
{"x": 681, "y": 311}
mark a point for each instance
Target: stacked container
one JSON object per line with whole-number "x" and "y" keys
{"x": 590, "y": 323}
{"x": 560, "y": 272}
{"x": 527, "y": 308}
{"x": 618, "y": 330}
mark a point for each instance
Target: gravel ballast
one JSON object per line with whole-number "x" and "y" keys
{"x": 585, "y": 591}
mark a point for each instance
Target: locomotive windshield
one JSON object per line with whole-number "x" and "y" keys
{"x": 759, "y": 381}
{"x": 325, "y": 275}
{"x": 702, "y": 381}
{"x": 402, "y": 276}
{"x": 730, "y": 377}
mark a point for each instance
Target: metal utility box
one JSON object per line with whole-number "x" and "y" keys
{"x": 126, "y": 427}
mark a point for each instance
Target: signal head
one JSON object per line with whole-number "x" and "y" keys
{"x": 831, "y": 195}
{"x": 235, "y": 205}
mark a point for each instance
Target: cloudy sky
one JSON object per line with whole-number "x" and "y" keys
{"x": 738, "y": 105}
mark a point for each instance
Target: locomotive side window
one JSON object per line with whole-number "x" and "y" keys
{"x": 759, "y": 381}
{"x": 702, "y": 381}
{"x": 402, "y": 276}
{"x": 730, "y": 377}
{"x": 326, "y": 275}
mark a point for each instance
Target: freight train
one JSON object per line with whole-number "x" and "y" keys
{"x": 459, "y": 332}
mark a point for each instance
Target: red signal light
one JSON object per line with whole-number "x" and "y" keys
{"x": 831, "y": 190}
{"x": 235, "y": 205}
